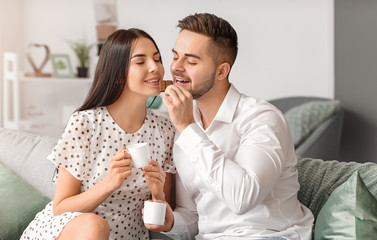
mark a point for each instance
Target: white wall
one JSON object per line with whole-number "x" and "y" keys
{"x": 10, "y": 36}
{"x": 285, "y": 46}
{"x": 55, "y": 22}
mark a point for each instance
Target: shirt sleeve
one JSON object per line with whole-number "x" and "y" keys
{"x": 185, "y": 215}
{"x": 243, "y": 182}
{"x": 72, "y": 149}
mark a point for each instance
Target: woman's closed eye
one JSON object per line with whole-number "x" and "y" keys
{"x": 158, "y": 60}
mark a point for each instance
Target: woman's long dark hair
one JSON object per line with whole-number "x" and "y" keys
{"x": 111, "y": 72}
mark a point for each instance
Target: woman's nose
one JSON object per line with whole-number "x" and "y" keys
{"x": 153, "y": 66}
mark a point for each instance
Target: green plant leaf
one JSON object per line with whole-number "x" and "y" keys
{"x": 82, "y": 50}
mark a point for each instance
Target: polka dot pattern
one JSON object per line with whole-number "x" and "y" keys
{"x": 84, "y": 149}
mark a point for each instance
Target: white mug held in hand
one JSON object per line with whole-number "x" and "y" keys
{"x": 154, "y": 212}
{"x": 139, "y": 154}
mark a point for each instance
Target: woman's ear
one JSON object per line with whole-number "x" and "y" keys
{"x": 223, "y": 71}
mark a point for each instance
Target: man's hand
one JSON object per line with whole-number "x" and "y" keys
{"x": 179, "y": 103}
{"x": 168, "y": 224}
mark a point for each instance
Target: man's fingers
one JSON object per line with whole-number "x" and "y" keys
{"x": 173, "y": 95}
{"x": 183, "y": 93}
{"x": 179, "y": 93}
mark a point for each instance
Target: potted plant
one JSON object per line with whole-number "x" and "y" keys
{"x": 82, "y": 51}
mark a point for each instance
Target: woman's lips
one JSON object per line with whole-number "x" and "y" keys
{"x": 153, "y": 81}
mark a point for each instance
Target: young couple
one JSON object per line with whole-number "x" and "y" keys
{"x": 233, "y": 154}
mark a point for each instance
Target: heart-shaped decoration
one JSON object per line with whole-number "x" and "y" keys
{"x": 38, "y": 69}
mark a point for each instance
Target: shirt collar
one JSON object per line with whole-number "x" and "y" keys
{"x": 227, "y": 108}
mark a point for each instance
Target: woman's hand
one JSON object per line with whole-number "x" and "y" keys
{"x": 119, "y": 169}
{"x": 155, "y": 178}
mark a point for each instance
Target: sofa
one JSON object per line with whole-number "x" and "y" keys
{"x": 26, "y": 180}
{"x": 319, "y": 119}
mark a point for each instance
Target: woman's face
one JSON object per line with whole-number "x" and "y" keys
{"x": 146, "y": 70}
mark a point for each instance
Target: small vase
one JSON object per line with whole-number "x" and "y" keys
{"x": 82, "y": 72}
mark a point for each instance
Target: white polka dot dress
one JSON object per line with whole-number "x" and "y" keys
{"x": 90, "y": 139}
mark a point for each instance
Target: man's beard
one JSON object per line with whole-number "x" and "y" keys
{"x": 204, "y": 87}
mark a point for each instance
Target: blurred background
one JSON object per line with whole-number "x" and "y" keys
{"x": 324, "y": 48}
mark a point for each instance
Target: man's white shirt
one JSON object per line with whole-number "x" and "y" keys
{"x": 238, "y": 178}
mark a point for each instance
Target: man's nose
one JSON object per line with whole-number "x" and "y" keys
{"x": 177, "y": 65}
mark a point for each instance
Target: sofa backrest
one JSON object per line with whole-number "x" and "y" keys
{"x": 25, "y": 154}
{"x": 318, "y": 179}
{"x": 323, "y": 142}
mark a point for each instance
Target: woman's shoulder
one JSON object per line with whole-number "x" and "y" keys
{"x": 160, "y": 120}
{"x": 90, "y": 113}
{"x": 159, "y": 117}
{"x": 86, "y": 118}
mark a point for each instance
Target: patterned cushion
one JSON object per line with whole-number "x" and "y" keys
{"x": 303, "y": 119}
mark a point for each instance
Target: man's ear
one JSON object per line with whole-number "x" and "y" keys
{"x": 223, "y": 71}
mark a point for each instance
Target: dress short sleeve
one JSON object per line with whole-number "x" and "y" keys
{"x": 72, "y": 149}
{"x": 168, "y": 131}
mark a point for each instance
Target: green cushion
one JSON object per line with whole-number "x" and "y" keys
{"x": 304, "y": 118}
{"x": 350, "y": 212}
{"x": 19, "y": 202}
{"x": 319, "y": 178}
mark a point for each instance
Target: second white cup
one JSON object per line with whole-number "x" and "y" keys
{"x": 139, "y": 154}
{"x": 154, "y": 212}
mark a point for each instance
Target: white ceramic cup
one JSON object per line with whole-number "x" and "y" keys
{"x": 139, "y": 154}
{"x": 154, "y": 212}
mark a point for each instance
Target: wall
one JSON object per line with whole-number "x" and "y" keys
{"x": 285, "y": 46}
{"x": 11, "y": 32}
{"x": 54, "y": 23}
{"x": 356, "y": 77}
{"x": 1, "y": 61}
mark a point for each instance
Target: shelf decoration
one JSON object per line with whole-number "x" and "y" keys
{"x": 61, "y": 66}
{"x": 82, "y": 51}
{"x": 37, "y": 69}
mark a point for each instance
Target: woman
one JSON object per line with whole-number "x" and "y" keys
{"x": 98, "y": 194}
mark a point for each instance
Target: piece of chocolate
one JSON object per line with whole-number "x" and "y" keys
{"x": 164, "y": 84}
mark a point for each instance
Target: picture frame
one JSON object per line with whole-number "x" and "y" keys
{"x": 61, "y": 66}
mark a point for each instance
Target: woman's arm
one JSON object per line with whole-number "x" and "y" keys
{"x": 167, "y": 187}
{"x": 68, "y": 197}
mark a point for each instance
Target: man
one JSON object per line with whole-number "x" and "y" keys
{"x": 234, "y": 154}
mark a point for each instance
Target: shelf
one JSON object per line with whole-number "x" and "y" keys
{"x": 40, "y": 105}
{"x": 52, "y": 79}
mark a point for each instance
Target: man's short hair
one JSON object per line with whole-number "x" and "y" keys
{"x": 224, "y": 42}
